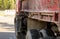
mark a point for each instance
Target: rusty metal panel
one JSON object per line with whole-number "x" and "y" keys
{"x": 39, "y": 5}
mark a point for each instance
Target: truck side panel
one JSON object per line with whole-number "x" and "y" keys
{"x": 38, "y": 5}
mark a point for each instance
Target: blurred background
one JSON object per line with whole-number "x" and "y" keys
{"x": 7, "y": 14}
{"x": 7, "y": 7}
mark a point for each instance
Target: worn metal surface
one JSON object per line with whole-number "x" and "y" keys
{"x": 38, "y": 5}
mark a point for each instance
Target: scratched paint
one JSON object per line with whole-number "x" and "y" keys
{"x": 42, "y": 5}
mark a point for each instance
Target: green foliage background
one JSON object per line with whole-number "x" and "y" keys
{"x": 7, "y": 4}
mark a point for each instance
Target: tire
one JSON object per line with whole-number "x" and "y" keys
{"x": 28, "y": 36}
{"x": 15, "y": 26}
{"x": 32, "y": 34}
{"x": 45, "y": 34}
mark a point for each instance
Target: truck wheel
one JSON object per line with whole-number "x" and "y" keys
{"x": 32, "y": 34}
{"x": 15, "y": 26}
{"x": 28, "y": 36}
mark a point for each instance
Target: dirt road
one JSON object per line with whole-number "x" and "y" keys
{"x": 7, "y": 30}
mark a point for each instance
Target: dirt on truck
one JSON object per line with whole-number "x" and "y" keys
{"x": 37, "y": 19}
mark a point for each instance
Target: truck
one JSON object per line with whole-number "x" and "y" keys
{"x": 33, "y": 15}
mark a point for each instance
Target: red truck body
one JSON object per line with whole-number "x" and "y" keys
{"x": 17, "y": 6}
{"x": 43, "y": 10}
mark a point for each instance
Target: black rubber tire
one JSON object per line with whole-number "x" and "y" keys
{"x": 45, "y": 35}
{"x": 32, "y": 34}
{"x": 15, "y": 26}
